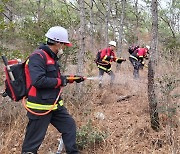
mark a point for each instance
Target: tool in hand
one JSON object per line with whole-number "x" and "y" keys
{"x": 78, "y": 79}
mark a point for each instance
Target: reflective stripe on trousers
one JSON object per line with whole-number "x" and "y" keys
{"x": 36, "y": 106}
{"x": 103, "y": 68}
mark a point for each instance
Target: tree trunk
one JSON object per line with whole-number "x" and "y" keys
{"x": 119, "y": 49}
{"x": 38, "y": 15}
{"x": 92, "y": 25}
{"x": 151, "y": 69}
{"x": 80, "y": 65}
{"x": 137, "y": 23}
{"x": 107, "y": 21}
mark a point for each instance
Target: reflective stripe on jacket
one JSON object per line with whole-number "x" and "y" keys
{"x": 43, "y": 107}
{"x": 133, "y": 57}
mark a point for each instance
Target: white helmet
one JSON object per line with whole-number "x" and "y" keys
{"x": 113, "y": 43}
{"x": 148, "y": 47}
{"x": 58, "y": 34}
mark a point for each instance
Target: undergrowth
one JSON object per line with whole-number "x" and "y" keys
{"x": 88, "y": 136}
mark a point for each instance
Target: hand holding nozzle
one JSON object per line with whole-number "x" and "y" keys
{"x": 76, "y": 78}
{"x": 120, "y": 60}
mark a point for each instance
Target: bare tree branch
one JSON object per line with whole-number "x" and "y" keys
{"x": 98, "y": 8}
{"x": 6, "y": 16}
{"x": 172, "y": 31}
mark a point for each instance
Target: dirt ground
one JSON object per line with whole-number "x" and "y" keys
{"x": 124, "y": 115}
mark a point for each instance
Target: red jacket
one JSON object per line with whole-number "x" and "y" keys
{"x": 142, "y": 52}
{"x": 108, "y": 52}
{"x": 107, "y": 56}
{"x": 139, "y": 53}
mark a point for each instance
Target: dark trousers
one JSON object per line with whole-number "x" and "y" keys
{"x": 137, "y": 66}
{"x": 37, "y": 127}
{"x": 110, "y": 73}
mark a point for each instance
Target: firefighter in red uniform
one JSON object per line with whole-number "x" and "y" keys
{"x": 132, "y": 48}
{"x": 137, "y": 59}
{"x": 107, "y": 56}
{"x": 46, "y": 83}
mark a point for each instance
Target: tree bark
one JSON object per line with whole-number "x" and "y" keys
{"x": 92, "y": 25}
{"x": 151, "y": 69}
{"x": 107, "y": 21}
{"x": 81, "y": 53}
{"x": 121, "y": 33}
{"x": 137, "y": 23}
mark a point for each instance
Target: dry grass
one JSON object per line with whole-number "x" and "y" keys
{"x": 127, "y": 122}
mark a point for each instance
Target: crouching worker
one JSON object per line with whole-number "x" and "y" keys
{"x": 106, "y": 57}
{"x": 43, "y": 75}
{"x": 137, "y": 59}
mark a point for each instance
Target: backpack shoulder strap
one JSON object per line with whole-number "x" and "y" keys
{"x": 44, "y": 55}
{"x": 40, "y": 52}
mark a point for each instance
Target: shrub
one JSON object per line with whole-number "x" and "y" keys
{"x": 89, "y": 136}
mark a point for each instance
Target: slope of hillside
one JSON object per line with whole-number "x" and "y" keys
{"x": 125, "y": 118}
{"x": 128, "y": 120}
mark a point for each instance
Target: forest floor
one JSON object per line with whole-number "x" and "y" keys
{"x": 125, "y": 116}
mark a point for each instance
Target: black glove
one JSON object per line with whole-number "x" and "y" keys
{"x": 64, "y": 80}
{"x": 78, "y": 78}
{"x": 108, "y": 66}
{"x": 146, "y": 57}
{"x": 119, "y": 60}
{"x": 141, "y": 65}
{"x": 140, "y": 59}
